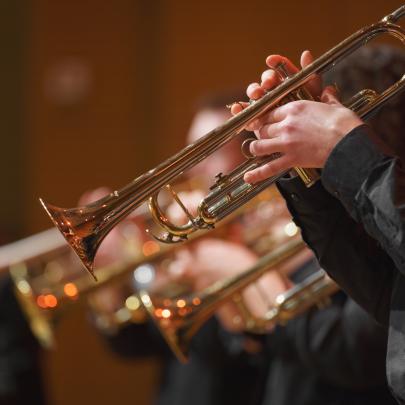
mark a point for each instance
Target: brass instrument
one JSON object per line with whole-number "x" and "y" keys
{"x": 85, "y": 227}
{"x": 260, "y": 225}
{"x": 180, "y": 318}
{"x": 48, "y": 278}
{"x": 265, "y": 225}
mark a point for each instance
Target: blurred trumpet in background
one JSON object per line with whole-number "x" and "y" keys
{"x": 49, "y": 279}
{"x": 250, "y": 227}
{"x": 179, "y": 309}
{"x": 179, "y": 318}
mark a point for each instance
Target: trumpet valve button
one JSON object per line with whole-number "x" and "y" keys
{"x": 245, "y": 148}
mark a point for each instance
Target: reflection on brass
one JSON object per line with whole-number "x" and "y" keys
{"x": 48, "y": 277}
{"x": 179, "y": 319}
{"x": 85, "y": 227}
{"x": 259, "y": 225}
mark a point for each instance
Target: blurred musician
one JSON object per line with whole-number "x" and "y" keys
{"x": 220, "y": 370}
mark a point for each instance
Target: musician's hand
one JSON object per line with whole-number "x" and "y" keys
{"x": 208, "y": 260}
{"x": 304, "y": 132}
{"x": 270, "y": 79}
{"x": 212, "y": 260}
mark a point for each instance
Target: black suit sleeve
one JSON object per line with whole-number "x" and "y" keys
{"x": 342, "y": 343}
{"x": 349, "y": 255}
{"x": 138, "y": 341}
{"x": 369, "y": 179}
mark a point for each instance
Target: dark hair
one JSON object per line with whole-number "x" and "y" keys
{"x": 376, "y": 67}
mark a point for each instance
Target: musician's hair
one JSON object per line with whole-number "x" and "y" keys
{"x": 376, "y": 67}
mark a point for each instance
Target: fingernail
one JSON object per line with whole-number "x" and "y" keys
{"x": 252, "y": 147}
{"x": 247, "y": 178}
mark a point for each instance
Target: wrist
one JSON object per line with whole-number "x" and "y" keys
{"x": 346, "y": 123}
{"x": 341, "y": 127}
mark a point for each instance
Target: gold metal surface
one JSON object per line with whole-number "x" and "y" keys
{"x": 179, "y": 323}
{"x": 49, "y": 279}
{"x": 85, "y": 227}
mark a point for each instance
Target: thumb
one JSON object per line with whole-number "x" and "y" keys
{"x": 330, "y": 95}
{"x": 315, "y": 84}
{"x": 306, "y": 59}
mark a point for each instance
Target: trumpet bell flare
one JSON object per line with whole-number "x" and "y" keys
{"x": 84, "y": 247}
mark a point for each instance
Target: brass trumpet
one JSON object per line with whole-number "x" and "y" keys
{"x": 180, "y": 318}
{"x": 48, "y": 278}
{"x": 252, "y": 226}
{"x": 85, "y": 227}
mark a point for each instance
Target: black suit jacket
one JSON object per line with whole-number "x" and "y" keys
{"x": 219, "y": 372}
{"x": 364, "y": 251}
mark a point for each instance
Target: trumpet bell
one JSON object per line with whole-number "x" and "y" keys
{"x": 79, "y": 231}
{"x": 174, "y": 329}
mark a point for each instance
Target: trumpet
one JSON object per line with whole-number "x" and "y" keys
{"x": 48, "y": 278}
{"x": 180, "y": 318}
{"x": 85, "y": 227}
{"x": 262, "y": 224}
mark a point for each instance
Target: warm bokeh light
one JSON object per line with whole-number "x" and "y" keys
{"x": 291, "y": 229}
{"x": 181, "y": 303}
{"x": 50, "y": 301}
{"x": 146, "y": 300}
{"x": 196, "y": 301}
{"x": 132, "y": 303}
{"x": 150, "y": 247}
{"x": 166, "y": 313}
{"x": 24, "y": 287}
{"x": 70, "y": 290}
{"x": 41, "y": 301}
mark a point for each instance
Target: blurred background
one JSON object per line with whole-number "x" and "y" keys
{"x": 95, "y": 93}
